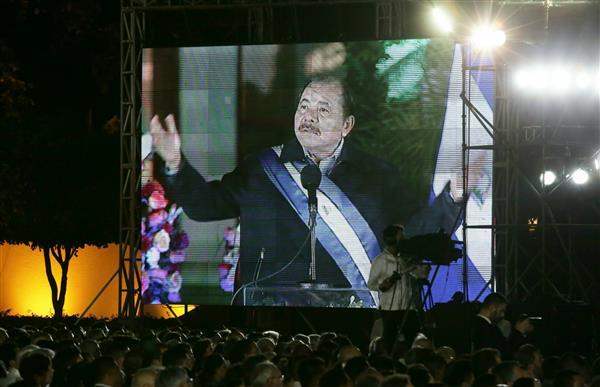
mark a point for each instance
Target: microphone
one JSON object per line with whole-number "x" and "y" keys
{"x": 310, "y": 176}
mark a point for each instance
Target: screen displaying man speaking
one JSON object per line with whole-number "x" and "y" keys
{"x": 248, "y": 120}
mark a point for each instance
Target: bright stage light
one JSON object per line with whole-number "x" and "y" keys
{"x": 583, "y": 80}
{"x": 547, "y": 178}
{"x": 487, "y": 37}
{"x": 442, "y": 20}
{"x": 560, "y": 79}
{"x": 523, "y": 79}
{"x": 580, "y": 176}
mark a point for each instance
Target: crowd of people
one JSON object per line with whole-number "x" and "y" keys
{"x": 105, "y": 353}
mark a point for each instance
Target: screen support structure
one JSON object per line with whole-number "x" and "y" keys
{"x": 389, "y": 23}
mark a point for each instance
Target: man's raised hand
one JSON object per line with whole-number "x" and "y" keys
{"x": 166, "y": 143}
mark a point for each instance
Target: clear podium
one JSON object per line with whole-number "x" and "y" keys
{"x": 299, "y": 296}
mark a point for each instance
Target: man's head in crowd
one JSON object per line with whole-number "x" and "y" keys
{"x": 397, "y": 380}
{"x": 484, "y": 360}
{"x": 106, "y": 371}
{"x": 36, "y": 369}
{"x": 322, "y": 117}
{"x": 494, "y": 307}
{"x": 508, "y": 372}
{"x": 530, "y": 359}
{"x": 145, "y": 377}
{"x": 266, "y": 374}
{"x": 459, "y": 374}
{"x": 335, "y": 377}
{"x": 179, "y": 355}
{"x": 436, "y": 365}
{"x": 309, "y": 371}
{"x": 419, "y": 375}
{"x": 568, "y": 378}
{"x": 173, "y": 377}
{"x": 90, "y": 349}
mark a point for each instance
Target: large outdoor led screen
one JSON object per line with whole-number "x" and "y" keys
{"x": 224, "y": 211}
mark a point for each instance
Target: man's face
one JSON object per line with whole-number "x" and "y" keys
{"x": 319, "y": 122}
{"x": 498, "y": 312}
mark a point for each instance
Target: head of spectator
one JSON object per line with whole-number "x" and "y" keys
{"x": 447, "y": 353}
{"x": 508, "y": 372}
{"x": 313, "y": 340}
{"x": 36, "y": 369}
{"x": 436, "y": 365}
{"x": 419, "y": 375}
{"x": 356, "y": 366}
{"x": 494, "y": 307}
{"x": 134, "y": 360}
{"x": 417, "y": 355}
{"x": 106, "y": 371}
{"x": 525, "y": 382}
{"x": 384, "y": 364}
{"x": 90, "y": 350}
{"x": 459, "y": 373}
{"x": 484, "y": 360}
{"x": 214, "y": 369}
{"x": 397, "y": 380}
{"x": 173, "y": 377}
{"x": 348, "y": 352}
{"x": 267, "y": 374}
{"x": 370, "y": 378}
{"x": 486, "y": 380}
{"x": 550, "y": 367}
{"x": 239, "y": 350}
{"x": 568, "y": 378}
{"x": 116, "y": 349}
{"x": 530, "y": 359}
{"x": 145, "y": 377}
{"x": 575, "y": 362}
{"x": 179, "y": 355}
{"x": 335, "y": 377}
{"x": 265, "y": 345}
{"x": 8, "y": 355}
{"x": 3, "y": 336}
{"x": 309, "y": 371}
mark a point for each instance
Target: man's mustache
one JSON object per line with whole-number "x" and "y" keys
{"x": 310, "y": 128}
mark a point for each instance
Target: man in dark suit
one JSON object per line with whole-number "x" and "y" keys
{"x": 358, "y": 197}
{"x": 484, "y": 331}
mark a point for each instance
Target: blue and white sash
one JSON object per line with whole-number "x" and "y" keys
{"x": 341, "y": 229}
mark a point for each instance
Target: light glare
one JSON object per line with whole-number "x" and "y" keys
{"x": 580, "y": 176}
{"x": 442, "y": 20}
{"x": 547, "y": 178}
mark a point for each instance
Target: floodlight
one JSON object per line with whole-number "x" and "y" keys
{"x": 487, "y": 37}
{"x": 580, "y": 176}
{"x": 523, "y": 78}
{"x": 442, "y": 20}
{"x": 583, "y": 80}
{"x": 561, "y": 80}
{"x": 547, "y": 178}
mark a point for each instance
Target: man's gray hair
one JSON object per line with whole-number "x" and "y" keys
{"x": 171, "y": 377}
{"x": 263, "y": 372}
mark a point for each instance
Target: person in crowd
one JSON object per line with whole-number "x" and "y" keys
{"x": 484, "y": 360}
{"x": 530, "y": 359}
{"x": 8, "y": 355}
{"x": 484, "y": 331}
{"x": 397, "y": 380}
{"x": 106, "y": 372}
{"x": 459, "y": 374}
{"x": 145, "y": 377}
{"x": 266, "y": 374}
{"x": 36, "y": 371}
{"x": 508, "y": 372}
{"x": 396, "y": 282}
{"x": 173, "y": 377}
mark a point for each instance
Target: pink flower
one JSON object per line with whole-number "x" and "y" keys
{"x": 161, "y": 241}
{"x": 145, "y": 282}
{"x": 157, "y": 217}
{"x": 157, "y": 200}
{"x": 177, "y": 256}
{"x": 174, "y": 282}
{"x": 174, "y": 297}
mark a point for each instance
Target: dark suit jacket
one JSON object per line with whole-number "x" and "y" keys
{"x": 486, "y": 335}
{"x": 268, "y": 221}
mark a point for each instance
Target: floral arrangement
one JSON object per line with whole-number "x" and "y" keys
{"x": 227, "y": 268}
{"x": 163, "y": 246}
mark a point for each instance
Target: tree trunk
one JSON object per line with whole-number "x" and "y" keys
{"x": 58, "y": 294}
